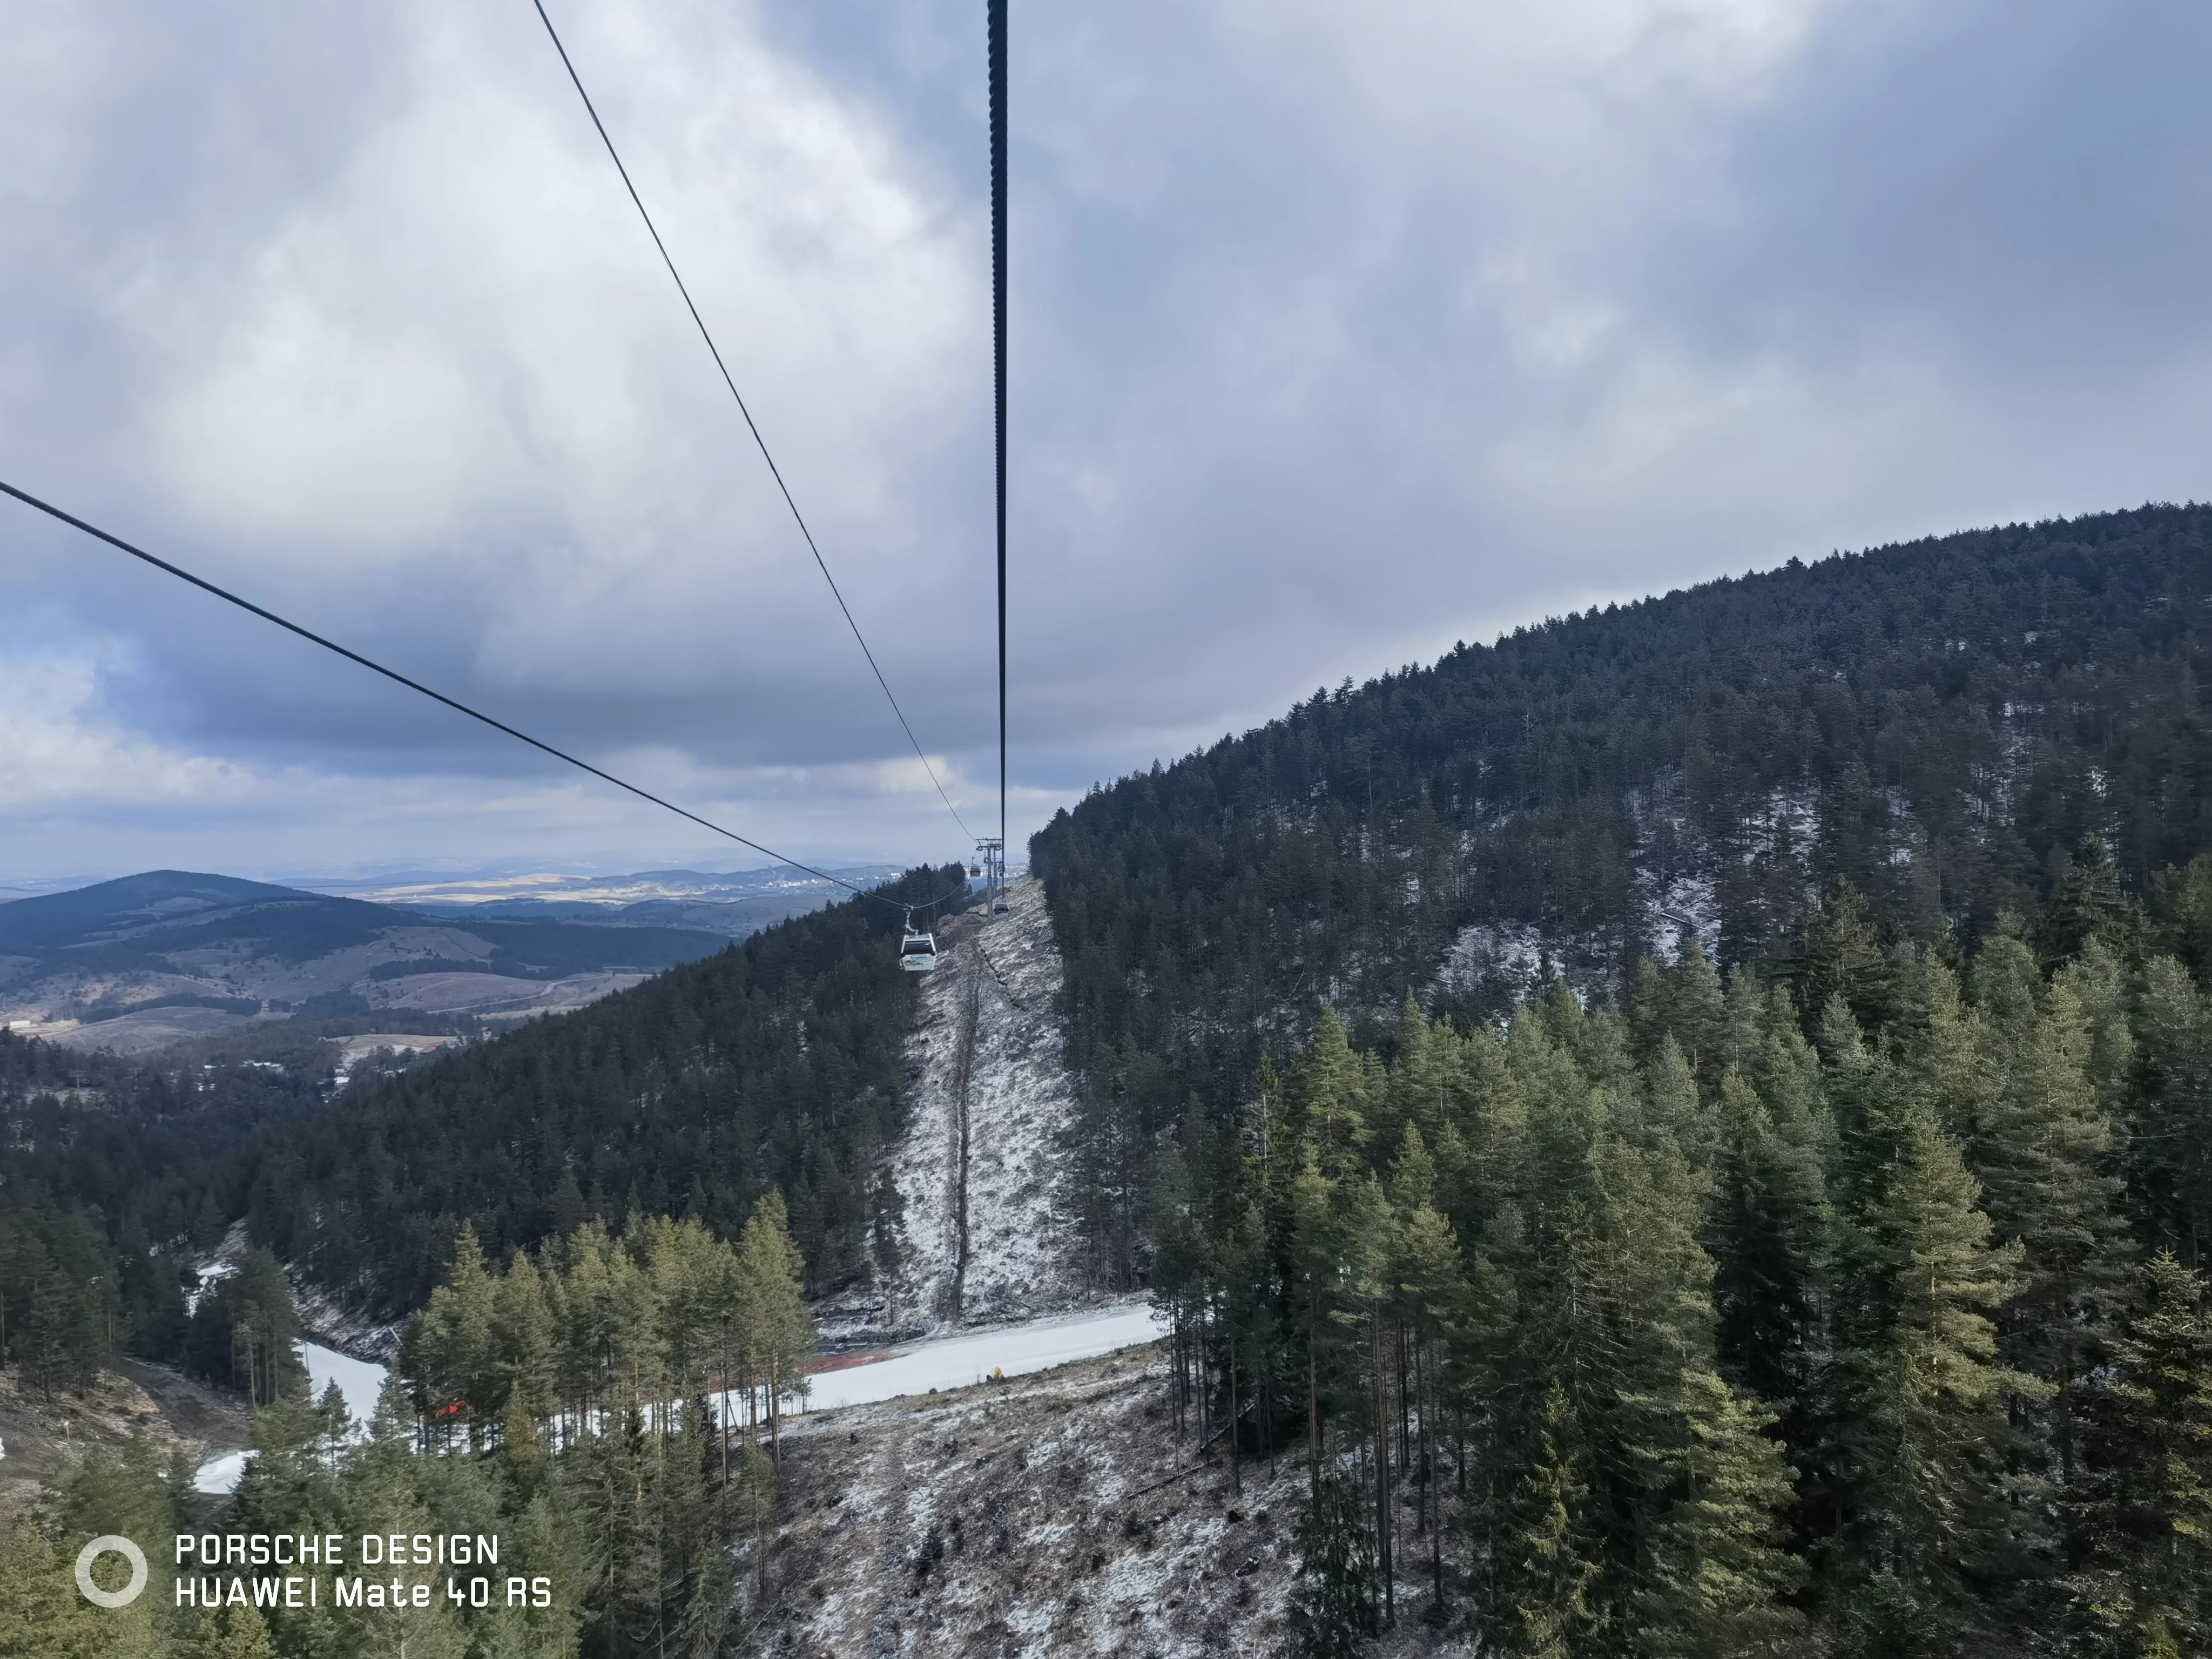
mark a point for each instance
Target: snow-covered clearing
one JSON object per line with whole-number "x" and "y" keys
{"x": 1517, "y": 961}
{"x": 1055, "y": 1515}
{"x": 1680, "y": 911}
{"x": 1058, "y": 1514}
{"x": 359, "y": 1381}
{"x": 955, "y": 1362}
{"x": 1020, "y": 1107}
{"x": 923, "y": 1368}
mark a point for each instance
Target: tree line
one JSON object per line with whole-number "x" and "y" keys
{"x": 773, "y": 1065}
{"x": 73, "y": 1299}
{"x": 1711, "y": 1322}
{"x": 1943, "y": 722}
{"x": 595, "y": 1324}
{"x": 607, "y": 1407}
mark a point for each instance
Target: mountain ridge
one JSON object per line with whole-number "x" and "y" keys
{"x": 1942, "y": 721}
{"x": 144, "y": 961}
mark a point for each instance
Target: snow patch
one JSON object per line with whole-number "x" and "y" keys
{"x": 1514, "y": 954}
{"x": 1678, "y": 911}
{"x": 1023, "y": 1258}
{"x": 962, "y": 1361}
{"x": 1519, "y": 960}
{"x": 360, "y": 1382}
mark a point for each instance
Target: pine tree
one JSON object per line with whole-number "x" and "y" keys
{"x": 618, "y": 1557}
{"x": 1549, "y": 1573}
{"x": 1443, "y": 1312}
{"x": 708, "y": 1607}
{"x": 550, "y": 1551}
{"x": 680, "y": 1260}
{"x": 2089, "y": 905}
{"x": 289, "y": 1483}
{"x": 1327, "y": 1094}
{"x": 1687, "y": 1003}
{"x": 448, "y": 1351}
{"x": 755, "y": 1492}
{"x": 2181, "y": 900}
{"x": 1721, "y": 1568}
{"x": 592, "y": 1293}
{"x": 1765, "y": 1228}
{"x": 233, "y": 1633}
{"x": 2172, "y": 1130}
{"x": 1648, "y": 1006}
{"x": 134, "y": 1489}
{"x": 40, "y": 1610}
{"x": 1938, "y": 1046}
{"x": 1312, "y": 1252}
{"x": 2038, "y": 1146}
{"x": 523, "y": 1460}
{"x": 1926, "y": 1429}
{"x": 2147, "y": 1511}
{"x": 2100, "y": 982}
{"x": 244, "y": 1328}
{"x": 780, "y": 1333}
{"x": 540, "y": 1549}
{"x": 1415, "y": 1094}
{"x": 1672, "y": 1113}
{"x": 1842, "y": 957}
{"x": 383, "y": 1493}
{"x": 522, "y": 1337}
{"x": 1333, "y": 1598}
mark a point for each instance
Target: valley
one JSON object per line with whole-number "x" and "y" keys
{"x": 138, "y": 965}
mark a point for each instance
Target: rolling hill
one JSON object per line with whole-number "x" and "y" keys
{"x": 148, "y": 960}
{"x": 1940, "y": 722}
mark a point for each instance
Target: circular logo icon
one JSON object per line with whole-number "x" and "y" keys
{"x": 113, "y": 1544}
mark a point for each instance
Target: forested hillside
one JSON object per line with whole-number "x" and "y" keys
{"x": 1843, "y": 1294}
{"x": 92, "y": 1154}
{"x": 1678, "y": 1328}
{"x": 772, "y": 1065}
{"x": 557, "y": 1408}
{"x": 1942, "y": 722}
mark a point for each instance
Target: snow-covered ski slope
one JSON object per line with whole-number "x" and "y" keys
{"x": 360, "y": 1380}
{"x": 1021, "y": 1097}
{"x": 921, "y": 1368}
{"x": 972, "y": 1357}
{"x": 1024, "y": 1304}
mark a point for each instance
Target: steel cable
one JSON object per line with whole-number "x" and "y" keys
{"x": 729, "y": 380}
{"x": 453, "y": 703}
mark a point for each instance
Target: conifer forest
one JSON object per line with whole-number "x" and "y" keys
{"x": 1687, "y": 1130}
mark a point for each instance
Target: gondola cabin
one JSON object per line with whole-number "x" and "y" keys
{"x": 918, "y": 952}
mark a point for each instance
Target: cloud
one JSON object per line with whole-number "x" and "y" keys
{"x": 59, "y": 748}
{"x": 1337, "y": 334}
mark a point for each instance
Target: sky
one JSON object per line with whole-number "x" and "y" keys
{"x": 1338, "y": 334}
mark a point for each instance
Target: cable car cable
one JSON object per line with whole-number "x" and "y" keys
{"x": 996, "y": 29}
{"x": 728, "y": 380}
{"x": 458, "y": 707}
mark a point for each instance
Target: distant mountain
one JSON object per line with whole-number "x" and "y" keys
{"x": 734, "y": 903}
{"x": 151, "y": 959}
{"x": 134, "y": 906}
